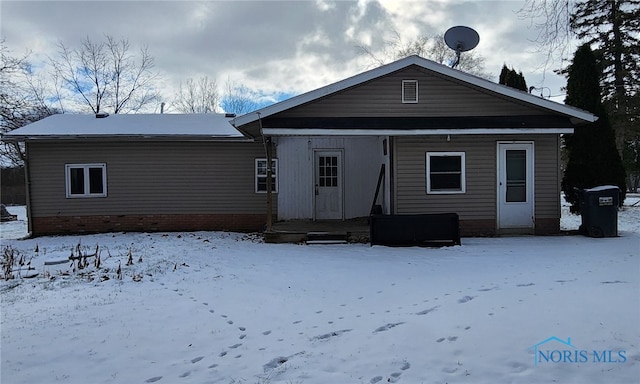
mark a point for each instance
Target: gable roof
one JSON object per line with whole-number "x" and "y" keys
{"x": 576, "y": 115}
{"x": 208, "y": 126}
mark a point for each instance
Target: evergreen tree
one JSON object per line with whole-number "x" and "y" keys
{"x": 511, "y": 78}
{"x": 613, "y": 27}
{"x": 593, "y": 159}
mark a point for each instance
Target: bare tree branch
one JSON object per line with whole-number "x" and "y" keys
{"x": 431, "y": 47}
{"x": 106, "y": 75}
{"x": 197, "y": 96}
{"x": 20, "y": 102}
{"x": 238, "y": 99}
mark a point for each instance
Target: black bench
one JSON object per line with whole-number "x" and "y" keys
{"x": 426, "y": 230}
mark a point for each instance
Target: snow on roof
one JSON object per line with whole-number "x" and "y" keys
{"x": 170, "y": 126}
{"x": 571, "y": 112}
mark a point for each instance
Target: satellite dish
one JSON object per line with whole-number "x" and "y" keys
{"x": 461, "y": 39}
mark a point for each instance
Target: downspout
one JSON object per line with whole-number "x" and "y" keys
{"x": 27, "y": 181}
{"x": 266, "y": 141}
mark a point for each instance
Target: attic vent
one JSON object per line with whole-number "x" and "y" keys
{"x": 409, "y": 91}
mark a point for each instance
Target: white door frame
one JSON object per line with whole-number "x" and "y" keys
{"x": 526, "y": 210}
{"x": 330, "y": 151}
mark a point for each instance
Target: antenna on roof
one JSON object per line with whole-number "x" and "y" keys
{"x": 461, "y": 39}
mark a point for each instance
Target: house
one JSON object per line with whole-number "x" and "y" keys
{"x": 444, "y": 141}
{"x": 417, "y": 136}
{"x": 156, "y": 172}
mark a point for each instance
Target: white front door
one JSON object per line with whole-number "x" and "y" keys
{"x": 515, "y": 186}
{"x": 328, "y": 184}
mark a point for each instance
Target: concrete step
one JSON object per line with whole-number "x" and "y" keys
{"x": 327, "y": 237}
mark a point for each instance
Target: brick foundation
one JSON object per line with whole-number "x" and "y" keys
{"x": 479, "y": 228}
{"x": 475, "y": 228}
{"x": 547, "y": 226}
{"x": 147, "y": 223}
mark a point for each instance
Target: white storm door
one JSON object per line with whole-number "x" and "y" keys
{"x": 515, "y": 186}
{"x": 328, "y": 185}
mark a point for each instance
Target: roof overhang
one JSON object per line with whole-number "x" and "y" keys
{"x": 174, "y": 138}
{"x": 577, "y": 116}
{"x": 411, "y": 132}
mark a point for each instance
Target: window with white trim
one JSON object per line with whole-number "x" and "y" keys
{"x": 261, "y": 175}
{"x": 446, "y": 172}
{"x": 86, "y": 180}
{"x": 409, "y": 91}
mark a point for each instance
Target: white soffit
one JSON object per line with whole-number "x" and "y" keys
{"x": 410, "y": 132}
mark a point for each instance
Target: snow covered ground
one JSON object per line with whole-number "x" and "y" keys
{"x": 213, "y": 307}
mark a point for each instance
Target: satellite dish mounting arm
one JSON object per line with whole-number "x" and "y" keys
{"x": 455, "y": 63}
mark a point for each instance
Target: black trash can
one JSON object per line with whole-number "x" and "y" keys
{"x": 599, "y": 208}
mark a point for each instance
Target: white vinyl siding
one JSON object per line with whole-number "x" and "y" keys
{"x": 261, "y": 175}
{"x": 86, "y": 180}
{"x": 361, "y": 164}
{"x": 445, "y": 172}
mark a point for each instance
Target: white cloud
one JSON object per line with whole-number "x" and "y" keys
{"x": 272, "y": 46}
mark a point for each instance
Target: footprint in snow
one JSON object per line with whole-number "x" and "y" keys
{"x": 242, "y": 336}
{"x": 466, "y": 299}
{"x": 405, "y": 366}
{"x": 195, "y": 360}
{"x": 387, "y": 327}
{"x": 230, "y": 322}
{"x": 297, "y": 322}
{"x": 266, "y": 333}
{"x": 428, "y": 310}
{"x": 211, "y": 310}
{"x": 185, "y": 374}
{"x": 212, "y": 366}
{"x": 440, "y": 340}
{"x": 223, "y": 353}
{"x": 242, "y": 329}
{"x": 330, "y": 334}
{"x": 234, "y": 346}
{"x": 395, "y": 376}
{"x": 275, "y": 363}
{"x": 153, "y": 379}
{"x": 375, "y": 379}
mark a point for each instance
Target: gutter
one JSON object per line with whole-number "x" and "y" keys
{"x": 181, "y": 138}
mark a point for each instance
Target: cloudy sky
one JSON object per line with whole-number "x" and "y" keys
{"x": 275, "y": 47}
